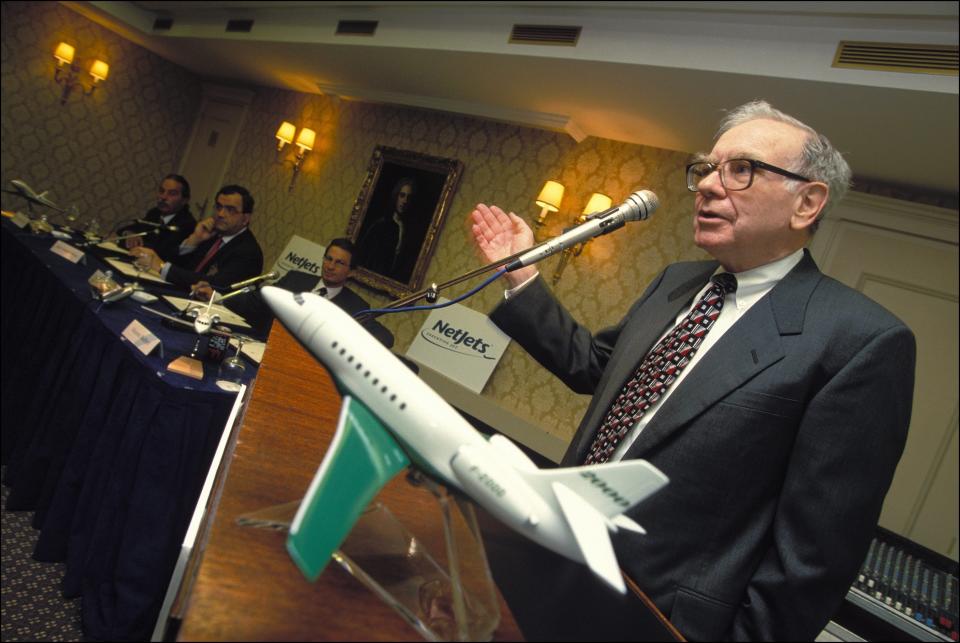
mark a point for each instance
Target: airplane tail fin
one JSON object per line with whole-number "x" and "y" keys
{"x": 593, "y": 499}
{"x": 361, "y": 459}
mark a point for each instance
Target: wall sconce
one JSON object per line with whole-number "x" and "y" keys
{"x": 304, "y": 141}
{"x": 70, "y": 78}
{"x": 548, "y": 200}
{"x": 598, "y": 203}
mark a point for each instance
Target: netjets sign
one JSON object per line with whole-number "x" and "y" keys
{"x": 460, "y": 343}
{"x": 300, "y": 254}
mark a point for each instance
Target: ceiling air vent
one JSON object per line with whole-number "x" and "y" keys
{"x": 886, "y": 56}
{"x": 544, "y": 35}
{"x": 162, "y": 24}
{"x": 241, "y": 26}
{"x": 357, "y": 27}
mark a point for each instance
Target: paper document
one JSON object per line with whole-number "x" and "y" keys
{"x": 253, "y": 350}
{"x": 130, "y": 270}
{"x": 226, "y": 316}
{"x": 112, "y": 247}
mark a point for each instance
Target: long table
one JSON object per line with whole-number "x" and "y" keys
{"x": 106, "y": 446}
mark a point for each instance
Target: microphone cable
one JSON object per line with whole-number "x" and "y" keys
{"x": 361, "y": 316}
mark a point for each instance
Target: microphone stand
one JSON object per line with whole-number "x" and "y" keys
{"x": 433, "y": 291}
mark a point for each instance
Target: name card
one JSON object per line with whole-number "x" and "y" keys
{"x": 67, "y": 251}
{"x": 138, "y": 335}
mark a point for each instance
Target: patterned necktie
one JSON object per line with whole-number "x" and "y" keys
{"x": 207, "y": 257}
{"x": 659, "y": 369}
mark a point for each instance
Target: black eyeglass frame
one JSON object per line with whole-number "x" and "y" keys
{"x": 754, "y": 164}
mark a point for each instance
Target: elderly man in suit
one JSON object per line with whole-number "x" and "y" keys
{"x": 776, "y": 399}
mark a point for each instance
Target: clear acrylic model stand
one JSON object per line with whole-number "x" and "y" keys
{"x": 454, "y": 603}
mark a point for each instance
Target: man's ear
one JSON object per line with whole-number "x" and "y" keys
{"x": 809, "y": 203}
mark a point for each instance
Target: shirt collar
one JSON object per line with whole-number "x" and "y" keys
{"x": 755, "y": 283}
{"x": 226, "y": 239}
{"x": 331, "y": 292}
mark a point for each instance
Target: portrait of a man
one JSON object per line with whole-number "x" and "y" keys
{"x": 398, "y": 215}
{"x": 387, "y": 241}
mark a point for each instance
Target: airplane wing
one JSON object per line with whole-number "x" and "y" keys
{"x": 361, "y": 459}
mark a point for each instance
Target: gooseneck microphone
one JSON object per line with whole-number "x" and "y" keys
{"x": 253, "y": 280}
{"x": 638, "y": 207}
{"x": 154, "y": 224}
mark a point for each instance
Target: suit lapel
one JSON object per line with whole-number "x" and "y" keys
{"x": 750, "y": 346}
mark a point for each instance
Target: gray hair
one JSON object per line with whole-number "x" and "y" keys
{"x": 819, "y": 160}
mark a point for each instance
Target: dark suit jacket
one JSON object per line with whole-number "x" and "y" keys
{"x": 238, "y": 260}
{"x": 252, "y": 307}
{"x": 166, "y": 243}
{"x": 780, "y": 445}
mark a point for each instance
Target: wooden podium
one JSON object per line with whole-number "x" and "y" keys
{"x": 245, "y": 586}
{"x": 241, "y": 584}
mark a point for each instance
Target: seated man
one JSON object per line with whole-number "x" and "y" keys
{"x": 173, "y": 212}
{"x": 221, "y": 250}
{"x": 338, "y": 263}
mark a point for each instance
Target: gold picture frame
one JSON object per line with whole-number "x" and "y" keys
{"x": 397, "y": 217}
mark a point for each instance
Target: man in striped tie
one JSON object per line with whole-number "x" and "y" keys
{"x": 776, "y": 399}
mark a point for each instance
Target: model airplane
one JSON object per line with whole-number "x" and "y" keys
{"x": 24, "y": 190}
{"x": 389, "y": 418}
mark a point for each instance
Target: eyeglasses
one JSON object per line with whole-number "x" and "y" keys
{"x": 735, "y": 174}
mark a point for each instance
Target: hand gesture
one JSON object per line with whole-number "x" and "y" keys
{"x": 201, "y": 290}
{"x": 201, "y": 233}
{"x": 146, "y": 259}
{"x": 499, "y": 235}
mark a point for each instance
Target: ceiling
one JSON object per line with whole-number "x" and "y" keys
{"x": 652, "y": 73}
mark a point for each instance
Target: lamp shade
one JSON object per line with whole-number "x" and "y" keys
{"x": 550, "y": 196}
{"x": 285, "y": 132}
{"x": 598, "y": 203}
{"x": 64, "y": 53}
{"x": 99, "y": 70}
{"x": 306, "y": 139}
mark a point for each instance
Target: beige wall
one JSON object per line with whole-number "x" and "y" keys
{"x": 503, "y": 164}
{"x": 107, "y": 152}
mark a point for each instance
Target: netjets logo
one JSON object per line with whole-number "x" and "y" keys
{"x": 456, "y": 340}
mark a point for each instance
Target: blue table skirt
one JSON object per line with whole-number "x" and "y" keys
{"x": 107, "y": 447}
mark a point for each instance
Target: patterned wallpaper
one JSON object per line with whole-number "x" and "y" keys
{"x": 106, "y": 152}
{"x": 503, "y": 164}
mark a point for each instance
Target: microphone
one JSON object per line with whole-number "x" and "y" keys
{"x": 638, "y": 207}
{"x": 242, "y": 291}
{"x": 154, "y": 224}
{"x": 253, "y": 280}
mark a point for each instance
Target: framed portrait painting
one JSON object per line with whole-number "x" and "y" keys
{"x": 397, "y": 217}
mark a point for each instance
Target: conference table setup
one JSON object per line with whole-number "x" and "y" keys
{"x": 102, "y": 442}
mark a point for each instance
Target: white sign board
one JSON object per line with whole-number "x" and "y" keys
{"x": 461, "y": 344}
{"x": 300, "y": 254}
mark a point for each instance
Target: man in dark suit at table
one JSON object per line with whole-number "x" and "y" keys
{"x": 221, "y": 250}
{"x": 338, "y": 263}
{"x": 172, "y": 219}
{"x": 780, "y": 432}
